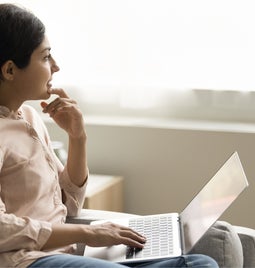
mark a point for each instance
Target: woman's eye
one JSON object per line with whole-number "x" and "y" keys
{"x": 47, "y": 57}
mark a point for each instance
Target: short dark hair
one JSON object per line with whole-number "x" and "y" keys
{"x": 21, "y": 32}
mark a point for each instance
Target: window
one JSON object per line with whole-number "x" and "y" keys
{"x": 135, "y": 53}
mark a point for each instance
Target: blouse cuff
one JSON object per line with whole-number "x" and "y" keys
{"x": 44, "y": 234}
{"x": 69, "y": 186}
{"x": 39, "y": 232}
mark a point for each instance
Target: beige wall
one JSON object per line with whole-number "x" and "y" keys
{"x": 165, "y": 165}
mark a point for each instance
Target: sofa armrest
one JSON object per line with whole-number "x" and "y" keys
{"x": 247, "y": 237}
{"x": 222, "y": 243}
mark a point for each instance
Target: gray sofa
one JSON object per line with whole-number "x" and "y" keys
{"x": 231, "y": 246}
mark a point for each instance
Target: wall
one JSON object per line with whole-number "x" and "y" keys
{"x": 165, "y": 163}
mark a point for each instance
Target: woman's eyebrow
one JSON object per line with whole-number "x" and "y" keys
{"x": 45, "y": 49}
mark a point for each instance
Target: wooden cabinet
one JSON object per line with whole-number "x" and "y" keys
{"x": 104, "y": 192}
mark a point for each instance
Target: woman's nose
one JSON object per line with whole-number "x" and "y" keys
{"x": 54, "y": 66}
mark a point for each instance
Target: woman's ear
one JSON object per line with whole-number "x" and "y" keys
{"x": 8, "y": 70}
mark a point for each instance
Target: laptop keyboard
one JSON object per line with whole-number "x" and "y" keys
{"x": 158, "y": 232}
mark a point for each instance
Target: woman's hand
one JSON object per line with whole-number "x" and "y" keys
{"x": 101, "y": 235}
{"x": 109, "y": 234}
{"x": 65, "y": 113}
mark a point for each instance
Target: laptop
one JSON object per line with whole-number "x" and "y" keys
{"x": 172, "y": 234}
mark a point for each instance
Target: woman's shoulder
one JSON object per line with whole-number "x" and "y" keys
{"x": 31, "y": 115}
{"x": 34, "y": 118}
{"x": 29, "y": 112}
{"x": 26, "y": 108}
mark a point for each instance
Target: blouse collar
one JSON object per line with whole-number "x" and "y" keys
{"x": 6, "y": 113}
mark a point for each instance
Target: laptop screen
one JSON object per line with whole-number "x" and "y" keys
{"x": 210, "y": 203}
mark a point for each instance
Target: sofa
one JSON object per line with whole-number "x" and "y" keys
{"x": 231, "y": 246}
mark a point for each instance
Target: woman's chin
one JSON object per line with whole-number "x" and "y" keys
{"x": 45, "y": 96}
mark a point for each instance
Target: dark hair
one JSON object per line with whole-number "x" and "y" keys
{"x": 21, "y": 33}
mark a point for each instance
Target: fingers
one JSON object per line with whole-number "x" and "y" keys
{"x": 58, "y": 91}
{"x": 61, "y": 102}
{"x": 57, "y": 105}
{"x": 132, "y": 233}
{"x": 133, "y": 240}
{"x": 44, "y": 104}
{"x": 128, "y": 236}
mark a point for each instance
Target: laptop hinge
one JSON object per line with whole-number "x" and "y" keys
{"x": 182, "y": 236}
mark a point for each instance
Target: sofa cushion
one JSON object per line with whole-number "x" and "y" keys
{"x": 222, "y": 243}
{"x": 247, "y": 237}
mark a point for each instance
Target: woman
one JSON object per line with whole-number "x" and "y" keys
{"x": 36, "y": 191}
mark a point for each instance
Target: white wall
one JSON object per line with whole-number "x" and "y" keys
{"x": 165, "y": 163}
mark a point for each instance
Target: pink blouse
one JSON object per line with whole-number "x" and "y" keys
{"x": 31, "y": 183}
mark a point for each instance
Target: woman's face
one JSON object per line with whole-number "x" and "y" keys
{"x": 34, "y": 81}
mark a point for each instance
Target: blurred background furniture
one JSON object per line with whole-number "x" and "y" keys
{"x": 231, "y": 246}
{"x": 104, "y": 192}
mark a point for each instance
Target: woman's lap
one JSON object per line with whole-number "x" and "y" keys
{"x": 71, "y": 261}
{"x": 67, "y": 261}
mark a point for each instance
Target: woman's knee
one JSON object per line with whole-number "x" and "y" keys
{"x": 200, "y": 260}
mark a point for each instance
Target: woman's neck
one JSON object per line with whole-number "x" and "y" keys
{"x": 8, "y": 100}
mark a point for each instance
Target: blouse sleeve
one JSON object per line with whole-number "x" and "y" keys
{"x": 15, "y": 231}
{"x": 73, "y": 196}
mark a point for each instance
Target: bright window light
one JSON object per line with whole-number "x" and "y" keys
{"x": 158, "y": 43}
{"x": 161, "y": 44}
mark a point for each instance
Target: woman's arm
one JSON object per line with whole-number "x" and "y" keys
{"x": 68, "y": 116}
{"x": 107, "y": 234}
{"x": 77, "y": 158}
